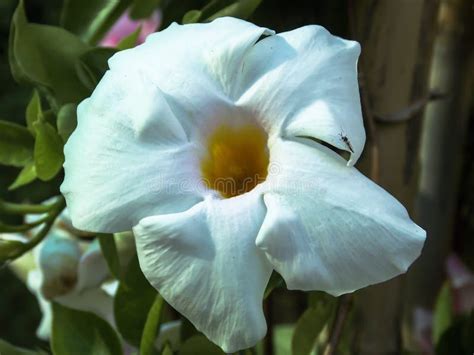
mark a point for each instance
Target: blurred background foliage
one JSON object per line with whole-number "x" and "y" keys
{"x": 391, "y": 85}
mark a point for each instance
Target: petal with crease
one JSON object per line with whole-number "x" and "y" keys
{"x": 128, "y": 158}
{"x": 330, "y": 228}
{"x": 195, "y": 65}
{"x": 204, "y": 262}
{"x": 304, "y": 83}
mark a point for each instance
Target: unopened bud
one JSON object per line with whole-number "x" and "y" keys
{"x": 58, "y": 263}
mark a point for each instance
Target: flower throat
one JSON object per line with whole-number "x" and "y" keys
{"x": 237, "y": 159}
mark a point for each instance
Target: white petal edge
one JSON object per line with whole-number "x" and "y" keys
{"x": 330, "y": 228}
{"x": 304, "y": 83}
{"x": 204, "y": 262}
{"x": 94, "y": 300}
{"x": 92, "y": 269}
{"x": 128, "y": 158}
{"x": 33, "y": 282}
{"x": 196, "y": 66}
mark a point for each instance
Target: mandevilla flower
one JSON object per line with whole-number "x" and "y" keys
{"x": 67, "y": 271}
{"x": 210, "y": 140}
{"x": 71, "y": 277}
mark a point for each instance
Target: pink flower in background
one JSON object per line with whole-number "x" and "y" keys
{"x": 462, "y": 280}
{"x": 126, "y": 26}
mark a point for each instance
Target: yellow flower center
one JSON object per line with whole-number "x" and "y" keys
{"x": 237, "y": 159}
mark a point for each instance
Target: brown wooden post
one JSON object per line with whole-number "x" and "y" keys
{"x": 444, "y": 129}
{"x": 397, "y": 43}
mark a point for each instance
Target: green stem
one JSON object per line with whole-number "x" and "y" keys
{"x": 345, "y": 302}
{"x": 24, "y": 227}
{"x": 152, "y": 325}
{"x": 55, "y": 211}
{"x": 19, "y": 208}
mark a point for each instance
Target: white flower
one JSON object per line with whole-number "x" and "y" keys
{"x": 68, "y": 271}
{"x": 72, "y": 275}
{"x": 207, "y": 141}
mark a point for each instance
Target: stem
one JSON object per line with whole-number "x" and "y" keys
{"x": 24, "y": 227}
{"x": 55, "y": 211}
{"x": 343, "y": 309}
{"x": 152, "y": 326}
{"x": 18, "y": 208}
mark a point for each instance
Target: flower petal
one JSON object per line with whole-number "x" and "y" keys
{"x": 92, "y": 269}
{"x": 330, "y": 228}
{"x": 93, "y": 300}
{"x": 204, "y": 262}
{"x": 195, "y": 65}
{"x": 128, "y": 158}
{"x": 304, "y": 83}
{"x": 34, "y": 281}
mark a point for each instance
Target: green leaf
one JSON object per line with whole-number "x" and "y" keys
{"x": 91, "y": 20}
{"x": 129, "y": 41}
{"x": 220, "y": 8}
{"x": 109, "y": 250}
{"x": 214, "y": 6}
{"x": 48, "y": 152}
{"x": 443, "y": 312}
{"x": 9, "y": 349}
{"x": 26, "y": 175}
{"x": 33, "y": 111}
{"x": 67, "y": 121}
{"x": 241, "y": 9}
{"x": 92, "y": 65}
{"x": 132, "y": 303}
{"x": 167, "y": 350}
{"x": 192, "y": 16}
{"x": 15, "y": 68}
{"x": 77, "y": 332}
{"x": 175, "y": 10}
{"x": 275, "y": 281}
{"x": 143, "y": 8}
{"x": 45, "y": 56}
{"x": 199, "y": 345}
{"x": 312, "y": 322}
{"x": 282, "y": 334}
{"x": 152, "y": 327}
{"x": 16, "y": 144}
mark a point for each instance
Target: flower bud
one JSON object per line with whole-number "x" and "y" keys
{"x": 58, "y": 261}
